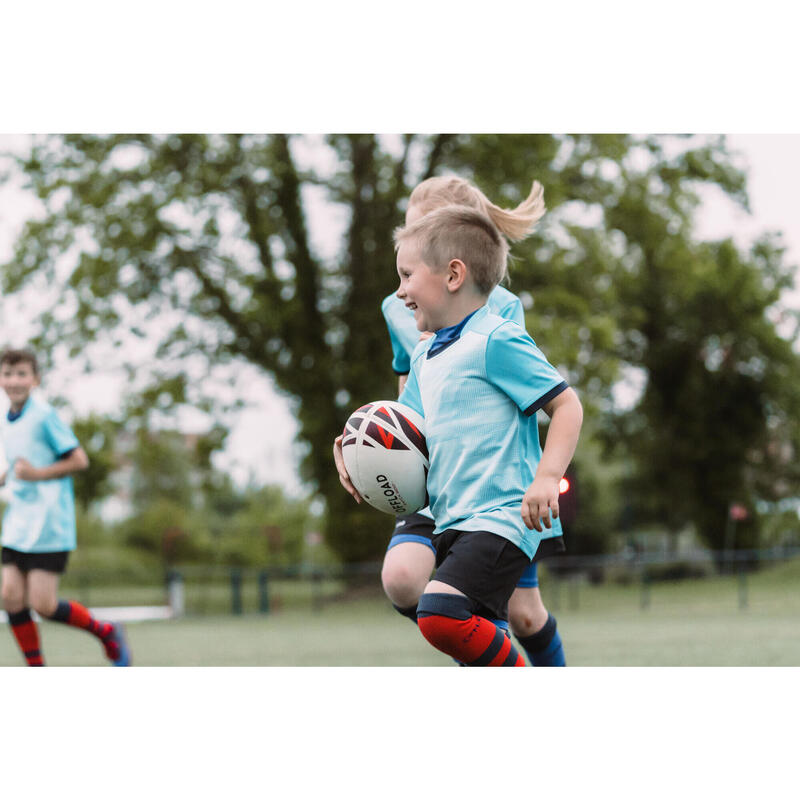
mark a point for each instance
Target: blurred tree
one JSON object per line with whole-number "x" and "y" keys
{"x": 718, "y": 421}
{"x": 98, "y": 437}
{"x": 163, "y": 469}
{"x": 268, "y": 529}
{"x": 207, "y": 243}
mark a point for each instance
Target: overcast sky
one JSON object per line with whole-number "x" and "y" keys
{"x": 268, "y": 453}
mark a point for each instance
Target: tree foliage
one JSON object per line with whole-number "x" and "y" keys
{"x": 98, "y": 438}
{"x": 208, "y": 245}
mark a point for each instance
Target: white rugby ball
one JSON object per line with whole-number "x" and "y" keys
{"x": 386, "y": 456}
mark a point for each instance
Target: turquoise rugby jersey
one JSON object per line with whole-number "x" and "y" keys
{"x": 479, "y": 395}
{"x": 40, "y": 517}
{"x": 403, "y": 331}
{"x": 404, "y": 335}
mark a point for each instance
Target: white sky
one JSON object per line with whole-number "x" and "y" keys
{"x": 268, "y": 453}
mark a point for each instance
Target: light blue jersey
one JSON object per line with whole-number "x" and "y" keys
{"x": 479, "y": 395}
{"x": 403, "y": 329}
{"x": 404, "y": 334}
{"x": 40, "y": 517}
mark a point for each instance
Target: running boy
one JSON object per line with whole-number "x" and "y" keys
{"x": 410, "y": 556}
{"x": 478, "y": 382}
{"x": 38, "y": 529}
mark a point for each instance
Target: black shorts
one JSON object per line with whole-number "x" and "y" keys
{"x": 413, "y": 528}
{"x": 484, "y": 566}
{"x": 25, "y": 562}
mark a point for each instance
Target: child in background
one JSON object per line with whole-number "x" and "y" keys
{"x": 38, "y": 530}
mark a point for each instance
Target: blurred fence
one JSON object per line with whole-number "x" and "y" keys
{"x": 199, "y": 590}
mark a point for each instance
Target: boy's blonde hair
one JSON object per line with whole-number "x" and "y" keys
{"x": 515, "y": 224}
{"x": 459, "y": 232}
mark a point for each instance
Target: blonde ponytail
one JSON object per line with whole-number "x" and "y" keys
{"x": 515, "y": 224}
{"x": 520, "y": 222}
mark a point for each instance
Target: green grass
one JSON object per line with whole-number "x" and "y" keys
{"x": 688, "y": 623}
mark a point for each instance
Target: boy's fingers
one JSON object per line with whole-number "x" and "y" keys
{"x": 344, "y": 477}
{"x": 345, "y": 481}
{"x": 531, "y": 515}
{"x": 526, "y": 515}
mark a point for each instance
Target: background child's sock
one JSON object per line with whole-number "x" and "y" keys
{"x": 26, "y": 632}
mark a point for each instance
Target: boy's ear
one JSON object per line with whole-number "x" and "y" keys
{"x": 456, "y": 274}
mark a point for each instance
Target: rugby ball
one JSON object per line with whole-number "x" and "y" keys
{"x": 385, "y": 454}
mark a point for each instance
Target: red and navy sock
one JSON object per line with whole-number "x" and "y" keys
{"x": 26, "y": 632}
{"x": 447, "y": 622}
{"x": 410, "y": 612}
{"x": 71, "y": 613}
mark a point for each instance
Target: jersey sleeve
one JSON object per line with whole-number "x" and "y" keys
{"x": 59, "y": 435}
{"x": 410, "y": 396}
{"x": 515, "y": 312}
{"x": 520, "y": 369}
{"x": 401, "y": 362}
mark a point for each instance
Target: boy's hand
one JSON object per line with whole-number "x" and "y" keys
{"x": 344, "y": 478}
{"x": 3, "y": 479}
{"x": 25, "y": 471}
{"x": 539, "y": 501}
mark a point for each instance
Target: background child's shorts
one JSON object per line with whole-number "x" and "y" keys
{"x": 25, "y": 562}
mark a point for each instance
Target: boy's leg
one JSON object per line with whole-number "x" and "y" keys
{"x": 533, "y": 626}
{"x": 446, "y": 620}
{"x": 43, "y": 593}
{"x": 408, "y": 563}
{"x": 23, "y": 628}
{"x": 470, "y": 588}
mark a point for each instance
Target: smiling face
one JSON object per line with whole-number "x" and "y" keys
{"x": 422, "y": 289}
{"x": 17, "y": 380}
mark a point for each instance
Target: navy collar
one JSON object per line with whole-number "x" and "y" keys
{"x": 444, "y": 337}
{"x": 12, "y": 415}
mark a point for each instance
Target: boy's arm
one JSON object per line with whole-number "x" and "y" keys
{"x": 76, "y": 461}
{"x": 541, "y": 498}
{"x": 403, "y": 379}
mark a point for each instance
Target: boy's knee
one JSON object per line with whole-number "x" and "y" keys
{"x": 13, "y": 596}
{"x": 43, "y": 604}
{"x": 441, "y": 617}
{"x": 402, "y": 583}
{"x": 526, "y": 613}
{"x": 13, "y": 601}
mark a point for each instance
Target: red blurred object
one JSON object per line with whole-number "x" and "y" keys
{"x": 738, "y": 512}
{"x": 563, "y": 486}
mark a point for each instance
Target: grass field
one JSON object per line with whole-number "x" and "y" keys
{"x": 687, "y": 623}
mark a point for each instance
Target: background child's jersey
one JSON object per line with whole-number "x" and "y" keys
{"x": 479, "y": 396}
{"x": 403, "y": 329}
{"x": 40, "y": 517}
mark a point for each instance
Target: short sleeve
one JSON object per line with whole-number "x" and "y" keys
{"x": 401, "y": 362}
{"x": 515, "y": 312}
{"x": 520, "y": 369}
{"x": 58, "y": 435}
{"x": 410, "y": 396}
